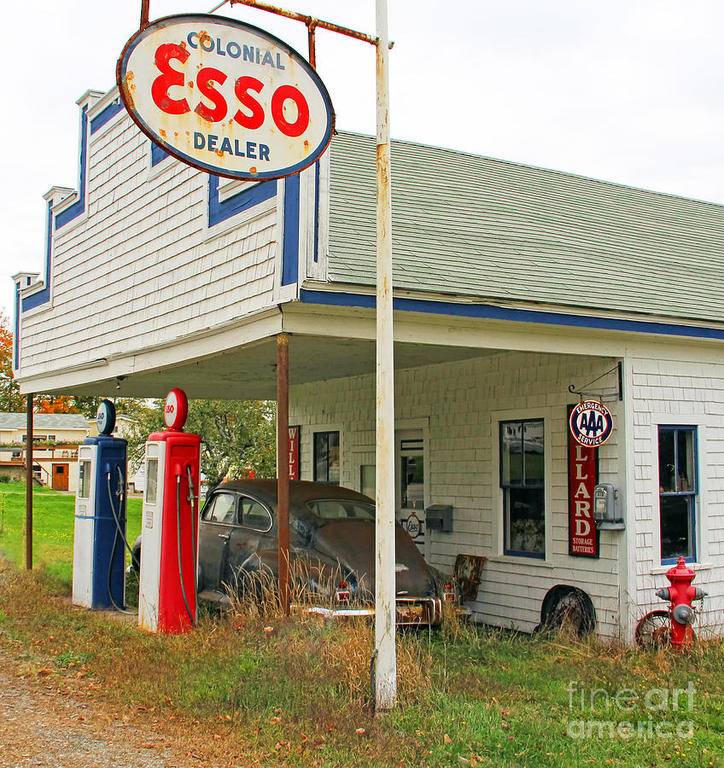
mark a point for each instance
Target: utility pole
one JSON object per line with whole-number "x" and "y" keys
{"x": 385, "y": 609}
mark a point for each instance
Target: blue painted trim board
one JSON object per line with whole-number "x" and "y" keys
{"x": 247, "y": 198}
{"x": 489, "y": 312}
{"x": 158, "y": 154}
{"x": 105, "y": 116}
{"x": 290, "y": 250}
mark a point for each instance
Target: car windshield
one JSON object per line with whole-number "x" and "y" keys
{"x": 341, "y": 509}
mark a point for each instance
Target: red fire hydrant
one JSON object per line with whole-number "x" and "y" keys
{"x": 680, "y": 595}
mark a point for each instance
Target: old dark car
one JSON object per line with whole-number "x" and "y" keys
{"x": 332, "y": 550}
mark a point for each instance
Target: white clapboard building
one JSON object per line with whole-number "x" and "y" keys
{"x": 513, "y": 285}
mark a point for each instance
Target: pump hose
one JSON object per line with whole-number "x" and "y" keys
{"x": 118, "y": 533}
{"x": 194, "y": 551}
{"x": 178, "y": 549}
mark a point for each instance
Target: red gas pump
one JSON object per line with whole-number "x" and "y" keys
{"x": 675, "y": 625}
{"x": 169, "y": 541}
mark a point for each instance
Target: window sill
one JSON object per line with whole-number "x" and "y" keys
{"x": 537, "y": 562}
{"x": 660, "y": 569}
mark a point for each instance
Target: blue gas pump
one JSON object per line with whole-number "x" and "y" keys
{"x": 100, "y": 517}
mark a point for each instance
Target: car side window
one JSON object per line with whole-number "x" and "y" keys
{"x": 221, "y": 509}
{"x": 254, "y": 515}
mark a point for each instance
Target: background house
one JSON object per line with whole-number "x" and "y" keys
{"x": 56, "y": 437}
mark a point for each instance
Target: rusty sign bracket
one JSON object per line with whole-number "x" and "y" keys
{"x": 616, "y": 393}
{"x": 310, "y": 22}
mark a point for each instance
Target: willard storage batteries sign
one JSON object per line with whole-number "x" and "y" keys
{"x": 225, "y": 97}
{"x": 582, "y": 479}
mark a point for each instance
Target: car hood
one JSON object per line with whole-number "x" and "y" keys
{"x": 352, "y": 543}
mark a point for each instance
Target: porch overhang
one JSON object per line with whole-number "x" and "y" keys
{"x": 328, "y": 341}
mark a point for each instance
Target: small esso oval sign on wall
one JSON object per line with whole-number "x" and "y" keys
{"x": 591, "y": 423}
{"x": 225, "y": 97}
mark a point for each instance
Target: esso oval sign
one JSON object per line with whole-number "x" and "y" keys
{"x": 591, "y": 423}
{"x": 176, "y": 409}
{"x": 225, "y": 97}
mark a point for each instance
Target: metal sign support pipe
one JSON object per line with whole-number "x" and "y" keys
{"x": 385, "y": 609}
{"x": 29, "y": 484}
{"x": 283, "y": 469}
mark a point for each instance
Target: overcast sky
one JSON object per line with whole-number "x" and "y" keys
{"x": 625, "y": 90}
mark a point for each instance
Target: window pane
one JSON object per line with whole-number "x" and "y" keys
{"x": 685, "y": 476}
{"x": 525, "y": 520}
{"x": 338, "y": 509}
{"x": 368, "y": 474}
{"x": 511, "y": 459}
{"x": 320, "y": 457}
{"x": 412, "y": 487}
{"x": 333, "y": 473}
{"x": 533, "y": 452}
{"x": 676, "y": 533}
{"x": 151, "y": 480}
{"x": 326, "y": 457}
{"x": 84, "y": 480}
{"x": 223, "y": 509}
{"x": 667, "y": 474}
{"x": 254, "y": 515}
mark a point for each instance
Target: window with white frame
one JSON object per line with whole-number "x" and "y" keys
{"x": 326, "y": 457}
{"x": 677, "y": 492}
{"x": 522, "y": 480}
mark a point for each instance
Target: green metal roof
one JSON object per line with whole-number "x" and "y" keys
{"x": 477, "y": 227}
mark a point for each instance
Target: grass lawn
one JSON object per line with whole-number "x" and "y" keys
{"x": 52, "y": 528}
{"x": 268, "y": 691}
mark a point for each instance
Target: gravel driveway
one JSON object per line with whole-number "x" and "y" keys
{"x": 43, "y": 726}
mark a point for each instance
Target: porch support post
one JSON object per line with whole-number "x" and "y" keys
{"x": 283, "y": 469}
{"x": 29, "y": 484}
{"x": 385, "y": 613}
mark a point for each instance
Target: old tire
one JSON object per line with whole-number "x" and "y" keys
{"x": 567, "y": 607}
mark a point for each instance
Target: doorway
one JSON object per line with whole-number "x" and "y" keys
{"x": 60, "y": 477}
{"x": 411, "y": 484}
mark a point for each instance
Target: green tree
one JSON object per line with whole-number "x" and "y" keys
{"x": 238, "y": 436}
{"x": 11, "y": 401}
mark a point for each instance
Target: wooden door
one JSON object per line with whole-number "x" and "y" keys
{"x": 60, "y": 477}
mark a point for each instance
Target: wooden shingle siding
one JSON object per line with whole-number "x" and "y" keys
{"x": 669, "y": 392}
{"x": 459, "y": 401}
{"x": 142, "y": 267}
{"x": 475, "y": 226}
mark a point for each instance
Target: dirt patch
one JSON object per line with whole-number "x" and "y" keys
{"x": 41, "y": 725}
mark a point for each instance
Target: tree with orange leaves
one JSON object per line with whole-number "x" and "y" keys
{"x": 10, "y": 398}
{"x": 56, "y": 404}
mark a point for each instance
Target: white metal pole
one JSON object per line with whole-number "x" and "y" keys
{"x": 385, "y": 626}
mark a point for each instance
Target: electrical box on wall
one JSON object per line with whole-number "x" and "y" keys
{"x": 438, "y": 517}
{"x": 606, "y": 508}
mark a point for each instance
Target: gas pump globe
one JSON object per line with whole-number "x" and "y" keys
{"x": 100, "y": 517}
{"x": 169, "y": 532}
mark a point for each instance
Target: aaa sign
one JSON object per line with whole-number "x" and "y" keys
{"x": 225, "y": 97}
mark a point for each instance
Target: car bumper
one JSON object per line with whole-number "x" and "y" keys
{"x": 410, "y": 611}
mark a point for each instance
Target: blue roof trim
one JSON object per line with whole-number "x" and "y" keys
{"x": 105, "y": 115}
{"x": 316, "y": 212}
{"x": 16, "y": 330}
{"x": 78, "y": 207}
{"x": 222, "y": 210}
{"x": 158, "y": 154}
{"x": 290, "y": 251}
{"x": 489, "y": 312}
{"x": 41, "y": 297}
